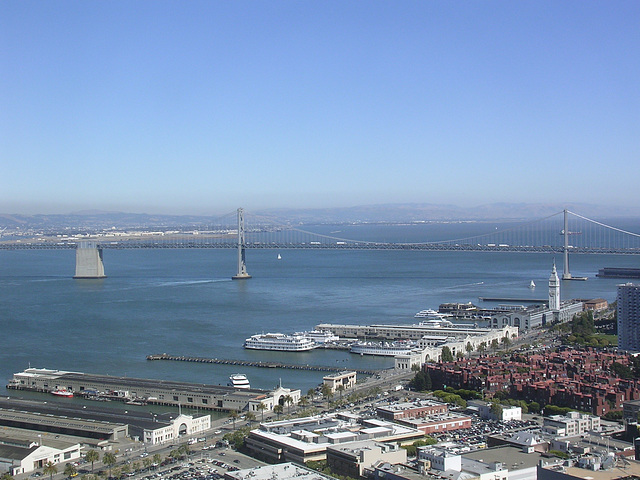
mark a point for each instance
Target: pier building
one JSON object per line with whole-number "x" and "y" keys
{"x": 150, "y": 391}
{"x": 417, "y": 331}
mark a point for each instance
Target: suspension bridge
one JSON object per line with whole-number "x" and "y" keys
{"x": 563, "y": 233}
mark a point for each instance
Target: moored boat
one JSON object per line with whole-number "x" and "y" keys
{"x": 280, "y": 342}
{"x": 239, "y": 380}
{"x": 60, "y": 392}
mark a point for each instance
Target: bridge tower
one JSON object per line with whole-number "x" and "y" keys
{"x": 566, "y": 274}
{"x": 89, "y": 261}
{"x": 242, "y": 266}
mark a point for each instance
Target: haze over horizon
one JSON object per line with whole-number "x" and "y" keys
{"x": 199, "y": 107}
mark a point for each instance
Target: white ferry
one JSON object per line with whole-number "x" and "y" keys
{"x": 320, "y": 336}
{"x": 385, "y": 349}
{"x": 432, "y": 319}
{"x": 280, "y": 342}
{"x": 240, "y": 381}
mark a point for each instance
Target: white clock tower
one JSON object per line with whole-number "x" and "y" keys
{"x": 554, "y": 290}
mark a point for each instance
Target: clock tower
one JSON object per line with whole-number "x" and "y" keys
{"x": 554, "y": 290}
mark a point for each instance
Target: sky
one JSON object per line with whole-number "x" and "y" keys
{"x": 200, "y": 107}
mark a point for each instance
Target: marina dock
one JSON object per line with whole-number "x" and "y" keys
{"x": 244, "y": 363}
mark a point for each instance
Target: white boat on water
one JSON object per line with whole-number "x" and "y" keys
{"x": 532, "y": 284}
{"x": 240, "y": 381}
{"x": 384, "y": 349}
{"x": 279, "y": 257}
{"x": 320, "y": 336}
{"x": 431, "y": 318}
{"x": 61, "y": 392}
{"x": 280, "y": 342}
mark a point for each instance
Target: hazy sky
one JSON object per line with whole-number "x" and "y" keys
{"x": 202, "y": 107}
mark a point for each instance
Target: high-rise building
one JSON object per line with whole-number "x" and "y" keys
{"x": 554, "y": 290}
{"x": 629, "y": 317}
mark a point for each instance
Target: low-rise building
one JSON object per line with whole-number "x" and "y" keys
{"x": 417, "y": 409}
{"x": 303, "y": 439}
{"x": 346, "y": 380}
{"x": 438, "y": 423}
{"x": 179, "y": 426}
{"x": 281, "y": 471}
{"x": 502, "y": 413}
{"x": 352, "y": 459}
{"x": 18, "y": 458}
{"x": 574, "y": 423}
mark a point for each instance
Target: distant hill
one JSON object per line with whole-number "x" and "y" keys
{"x": 387, "y": 213}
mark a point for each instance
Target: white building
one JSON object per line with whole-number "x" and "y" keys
{"x": 572, "y": 424}
{"x": 277, "y": 397}
{"x": 440, "y": 459}
{"x": 554, "y": 290}
{"x": 17, "y": 459}
{"x": 507, "y": 412}
{"x": 179, "y": 426}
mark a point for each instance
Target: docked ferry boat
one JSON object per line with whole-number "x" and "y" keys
{"x": 385, "y": 349}
{"x": 280, "y": 342}
{"x": 240, "y": 381}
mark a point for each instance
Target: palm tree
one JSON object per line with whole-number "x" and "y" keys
{"x": 234, "y": 416}
{"x": 262, "y": 407}
{"x": 288, "y": 400}
{"x": 109, "y": 459}
{"x": 157, "y": 459}
{"x": 326, "y": 392}
{"x": 278, "y": 409}
{"x": 250, "y": 417}
{"x": 469, "y": 348}
{"x": 70, "y": 470}
{"x": 49, "y": 469}
{"x": 341, "y": 389}
{"x": 92, "y": 456}
{"x": 146, "y": 463}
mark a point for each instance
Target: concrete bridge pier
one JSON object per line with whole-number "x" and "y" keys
{"x": 89, "y": 261}
{"x": 242, "y": 263}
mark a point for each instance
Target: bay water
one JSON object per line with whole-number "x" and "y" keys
{"x": 183, "y": 302}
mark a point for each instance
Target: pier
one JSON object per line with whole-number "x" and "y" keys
{"x": 245, "y": 363}
{"x": 520, "y": 300}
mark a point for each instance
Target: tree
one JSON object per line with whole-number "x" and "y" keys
{"x": 50, "y": 469}
{"x": 340, "y": 388}
{"x": 278, "y": 409}
{"x": 157, "y": 459}
{"x": 469, "y": 348}
{"x": 494, "y": 344}
{"x": 70, "y": 470}
{"x": 109, "y": 459}
{"x": 6, "y": 476}
{"x": 146, "y": 462}
{"x": 262, "y": 407}
{"x": 288, "y": 400}
{"x": 250, "y": 417}
{"x": 482, "y": 347}
{"x": 446, "y": 355}
{"x": 92, "y": 456}
{"x": 506, "y": 342}
{"x": 234, "y": 416}
{"x": 327, "y": 393}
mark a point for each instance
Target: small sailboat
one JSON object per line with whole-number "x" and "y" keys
{"x": 532, "y": 284}
{"x": 279, "y": 257}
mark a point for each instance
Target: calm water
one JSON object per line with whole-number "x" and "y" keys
{"x": 183, "y": 302}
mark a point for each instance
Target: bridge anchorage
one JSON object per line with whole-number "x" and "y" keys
{"x": 89, "y": 263}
